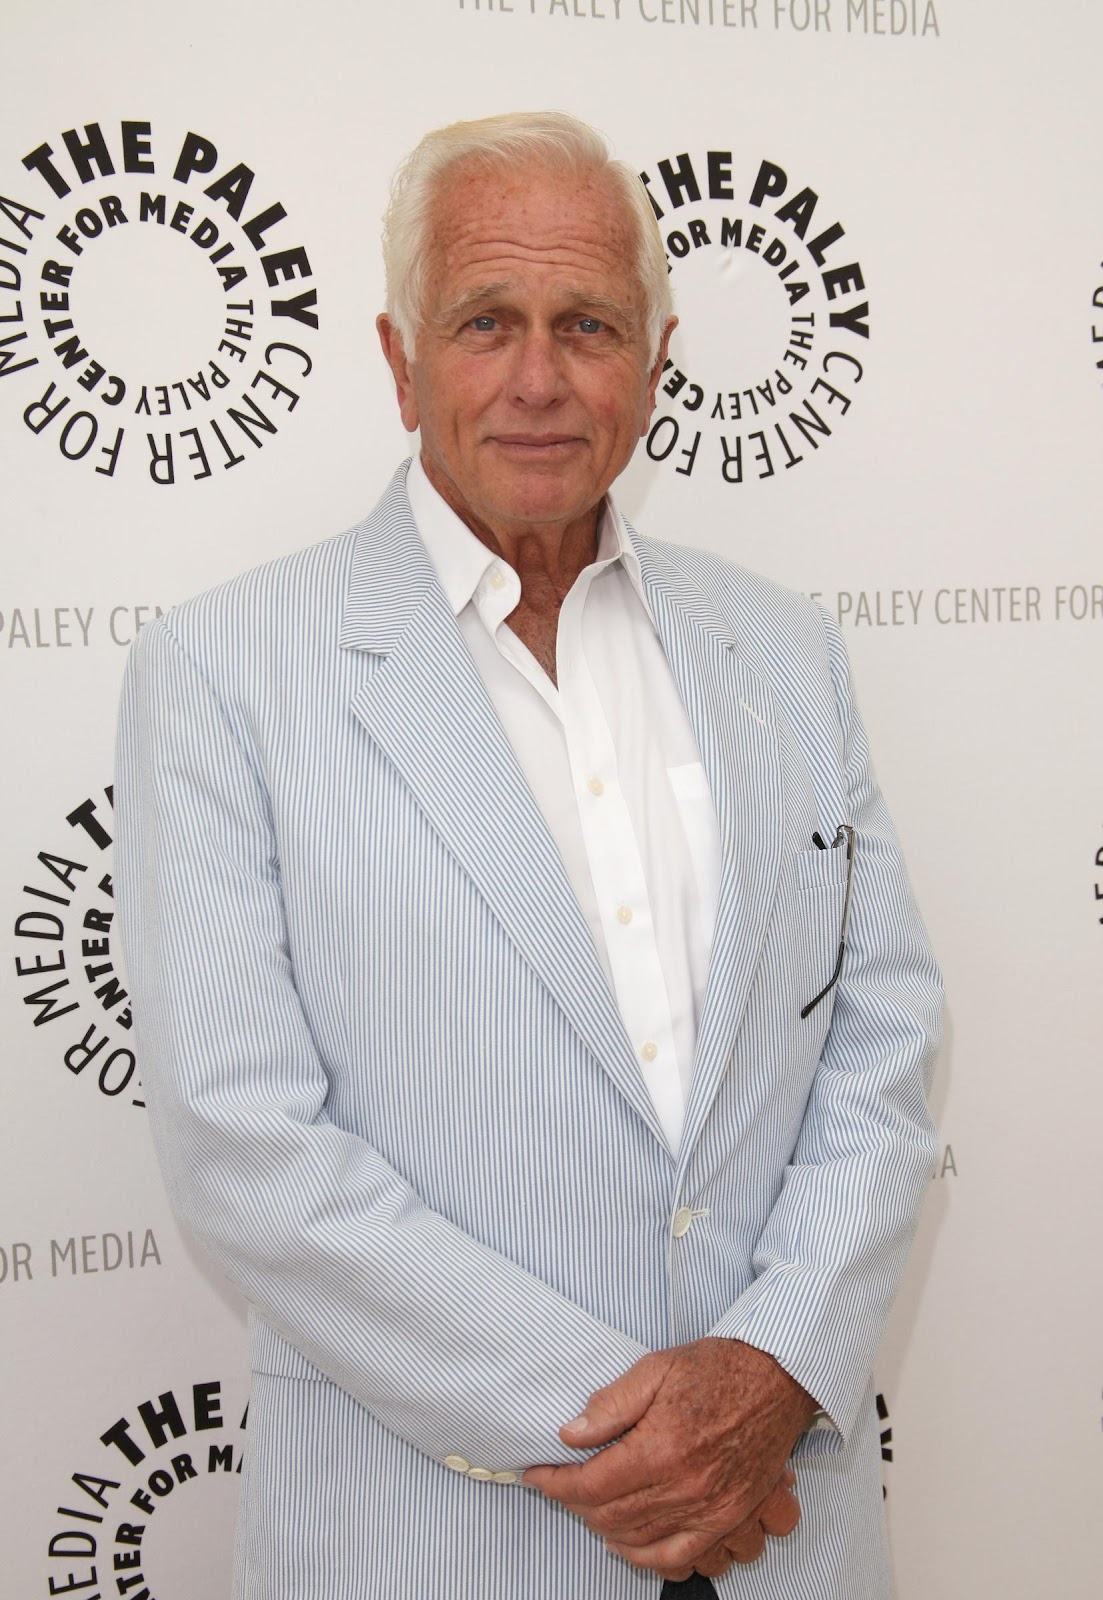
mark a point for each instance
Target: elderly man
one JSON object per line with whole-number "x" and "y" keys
{"x": 533, "y": 1007}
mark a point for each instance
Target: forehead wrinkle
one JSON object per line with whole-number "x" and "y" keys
{"x": 527, "y": 238}
{"x": 579, "y": 211}
{"x": 554, "y": 251}
{"x": 555, "y": 262}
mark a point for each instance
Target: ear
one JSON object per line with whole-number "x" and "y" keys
{"x": 656, "y": 372}
{"x": 402, "y": 370}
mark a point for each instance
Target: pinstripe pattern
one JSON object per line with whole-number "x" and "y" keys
{"x": 392, "y": 1094}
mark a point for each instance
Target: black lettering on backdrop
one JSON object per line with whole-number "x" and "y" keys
{"x": 750, "y": 426}
{"x": 159, "y": 1448}
{"x": 96, "y": 179}
{"x": 63, "y": 955}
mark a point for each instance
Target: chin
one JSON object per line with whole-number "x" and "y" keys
{"x": 542, "y": 499}
{"x": 536, "y": 509}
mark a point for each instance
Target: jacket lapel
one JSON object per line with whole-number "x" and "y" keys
{"x": 733, "y": 718}
{"x": 425, "y": 706}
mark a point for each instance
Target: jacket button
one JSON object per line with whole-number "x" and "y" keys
{"x": 683, "y": 1221}
{"x": 458, "y": 1463}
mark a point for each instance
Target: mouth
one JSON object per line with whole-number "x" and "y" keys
{"x": 536, "y": 445}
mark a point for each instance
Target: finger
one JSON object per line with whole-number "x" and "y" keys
{"x": 611, "y": 1411}
{"x": 643, "y": 1491}
{"x": 668, "y": 1507}
{"x": 628, "y": 1469}
{"x": 660, "y": 1525}
{"x": 714, "y": 1563}
{"x": 665, "y": 1509}
{"x": 779, "y": 1513}
{"x": 548, "y": 1480}
{"x": 639, "y": 1492}
{"x": 668, "y": 1556}
{"x": 746, "y": 1543}
{"x": 659, "y": 1521}
{"x": 779, "y": 1507}
{"x": 575, "y": 1487}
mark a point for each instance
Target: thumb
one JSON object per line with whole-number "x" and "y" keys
{"x": 616, "y": 1408}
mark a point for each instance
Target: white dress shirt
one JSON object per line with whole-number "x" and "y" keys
{"x": 613, "y": 763}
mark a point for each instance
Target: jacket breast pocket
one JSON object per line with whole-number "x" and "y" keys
{"x": 814, "y": 908}
{"x": 820, "y": 869}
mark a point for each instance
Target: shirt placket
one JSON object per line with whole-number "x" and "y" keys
{"x": 616, "y": 866}
{"x": 495, "y": 597}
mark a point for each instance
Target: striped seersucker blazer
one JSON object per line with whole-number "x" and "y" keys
{"x": 392, "y": 1094}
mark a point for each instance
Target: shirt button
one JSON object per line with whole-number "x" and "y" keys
{"x": 498, "y": 579}
{"x": 480, "y": 1474}
{"x": 458, "y": 1463}
{"x": 649, "y": 1050}
{"x": 596, "y": 786}
{"x": 505, "y": 1477}
{"x": 624, "y": 914}
{"x": 683, "y": 1221}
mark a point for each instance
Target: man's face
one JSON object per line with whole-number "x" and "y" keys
{"x": 531, "y": 384}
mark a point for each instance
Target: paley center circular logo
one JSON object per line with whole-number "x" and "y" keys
{"x": 157, "y": 306}
{"x": 64, "y": 954}
{"x": 773, "y": 340}
{"x": 152, "y": 1502}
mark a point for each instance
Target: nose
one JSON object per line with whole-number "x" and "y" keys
{"x": 539, "y": 379}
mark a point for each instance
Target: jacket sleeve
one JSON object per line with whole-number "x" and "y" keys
{"x": 446, "y": 1342}
{"x": 835, "y": 1242}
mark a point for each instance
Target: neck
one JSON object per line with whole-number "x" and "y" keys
{"x": 547, "y": 556}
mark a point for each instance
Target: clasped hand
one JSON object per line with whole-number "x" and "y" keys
{"x": 697, "y": 1477}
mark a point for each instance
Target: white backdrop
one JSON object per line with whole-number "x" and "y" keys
{"x": 944, "y": 504}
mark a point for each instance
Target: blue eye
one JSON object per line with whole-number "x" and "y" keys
{"x": 483, "y": 324}
{"x": 589, "y": 325}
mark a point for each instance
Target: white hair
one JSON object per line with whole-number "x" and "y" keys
{"x": 549, "y": 138}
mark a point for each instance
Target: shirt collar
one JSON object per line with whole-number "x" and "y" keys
{"x": 461, "y": 559}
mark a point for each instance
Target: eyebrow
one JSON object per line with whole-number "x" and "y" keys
{"x": 459, "y": 309}
{"x": 465, "y": 305}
